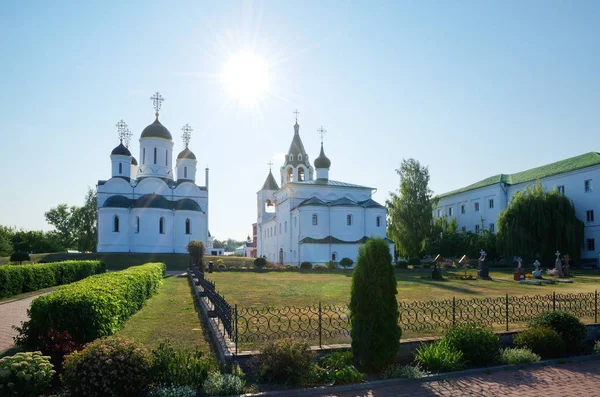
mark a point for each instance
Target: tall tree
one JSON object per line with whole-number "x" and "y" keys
{"x": 61, "y": 217}
{"x": 536, "y": 223}
{"x": 83, "y": 222}
{"x": 6, "y": 236}
{"x": 410, "y": 213}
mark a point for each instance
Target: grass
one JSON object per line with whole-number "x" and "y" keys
{"x": 169, "y": 314}
{"x": 120, "y": 261}
{"x": 301, "y": 289}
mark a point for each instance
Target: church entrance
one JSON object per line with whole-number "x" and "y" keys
{"x": 281, "y": 256}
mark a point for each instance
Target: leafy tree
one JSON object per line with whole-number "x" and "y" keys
{"x": 218, "y": 244}
{"x": 373, "y": 307}
{"x": 537, "y": 223}
{"x": 37, "y": 241}
{"x": 196, "y": 250}
{"x": 410, "y": 213}
{"x": 6, "y": 236}
{"x": 61, "y": 217}
{"x": 83, "y": 222}
{"x": 19, "y": 257}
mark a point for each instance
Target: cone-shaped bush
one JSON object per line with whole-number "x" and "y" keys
{"x": 373, "y": 307}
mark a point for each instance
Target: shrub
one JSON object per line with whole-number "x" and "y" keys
{"x": 543, "y": 341}
{"x": 332, "y": 265}
{"x": 569, "y": 327}
{"x": 260, "y": 262}
{"x": 25, "y": 374}
{"x": 18, "y": 279}
{"x": 319, "y": 267}
{"x": 290, "y": 268}
{"x": 338, "y": 368}
{"x": 401, "y": 264}
{"x": 196, "y": 250}
{"x": 57, "y": 345}
{"x": 478, "y": 344}
{"x": 218, "y": 384}
{"x": 414, "y": 261}
{"x": 346, "y": 262}
{"x": 173, "y": 391}
{"x": 221, "y": 266}
{"x": 373, "y": 307}
{"x": 440, "y": 357}
{"x": 518, "y": 356}
{"x": 306, "y": 265}
{"x": 285, "y": 361}
{"x": 102, "y": 304}
{"x": 403, "y": 371}
{"x": 337, "y": 359}
{"x": 20, "y": 257}
{"x": 596, "y": 349}
{"x": 179, "y": 367}
{"x": 113, "y": 366}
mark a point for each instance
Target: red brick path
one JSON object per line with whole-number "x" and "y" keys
{"x": 13, "y": 313}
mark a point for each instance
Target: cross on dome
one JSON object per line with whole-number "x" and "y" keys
{"x": 122, "y": 130}
{"x": 127, "y": 137}
{"x": 187, "y": 134}
{"x": 322, "y": 131}
{"x": 296, "y": 112}
{"x": 157, "y": 101}
{"x": 270, "y": 164}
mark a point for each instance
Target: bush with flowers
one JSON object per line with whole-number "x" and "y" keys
{"x": 25, "y": 374}
{"x": 113, "y": 366}
{"x": 57, "y": 345}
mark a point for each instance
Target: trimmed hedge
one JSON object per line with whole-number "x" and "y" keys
{"x": 16, "y": 279}
{"x": 92, "y": 308}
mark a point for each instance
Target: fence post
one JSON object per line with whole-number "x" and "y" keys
{"x": 453, "y": 311}
{"x": 507, "y": 312}
{"x": 320, "y": 329}
{"x": 235, "y": 321}
{"x": 596, "y": 306}
{"x": 554, "y": 301}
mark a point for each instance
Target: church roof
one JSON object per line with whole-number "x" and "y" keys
{"x": 270, "y": 183}
{"x": 335, "y": 240}
{"x": 121, "y": 150}
{"x": 151, "y": 201}
{"x": 186, "y": 154}
{"x": 370, "y": 203}
{"x": 156, "y": 130}
{"x": 567, "y": 165}
{"x": 296, "y": 148}
{"x": 322, "y": 161}
{"x": 329, "y": 182}
{"x": 344, "y": 201}
{"x": 133, "y": 161}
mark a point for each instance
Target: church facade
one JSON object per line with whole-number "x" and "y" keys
{"x": 148, "y": 206}
{"x": 311, "y": 217}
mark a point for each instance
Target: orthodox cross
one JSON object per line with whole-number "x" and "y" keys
{"x": 127, "y": 137}
{"x": 296, "y": 112}
{"x": 157, "y": 100}
{"x": 122, "y": 130}
{"x": 270, "y": 163}
{"x": 187, "y": 134}
{"x": 557, "y": 255}
{"x": 322, "y": 131}
{"x": 483, "y": 254}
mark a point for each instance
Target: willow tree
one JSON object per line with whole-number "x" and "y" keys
{"x": 536, "y": 223}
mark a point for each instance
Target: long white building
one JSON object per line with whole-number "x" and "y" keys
{"x": 147, "y": 207}
{"x": 311, "y": 217}
{"x": 481, "y": 203}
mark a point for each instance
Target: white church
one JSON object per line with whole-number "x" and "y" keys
{"x": 311, "y": 217}
{"x": 147, "y": 207}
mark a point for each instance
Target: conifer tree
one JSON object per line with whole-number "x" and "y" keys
{"x": 373, "y": 307}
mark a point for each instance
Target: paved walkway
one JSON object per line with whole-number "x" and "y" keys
{"x": 559, "y": 380}
{"x": 13, "y": 313}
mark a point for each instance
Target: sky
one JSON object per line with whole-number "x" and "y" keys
{"x": 468, "y": 88}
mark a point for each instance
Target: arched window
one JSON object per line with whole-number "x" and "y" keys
{"x": 120, "y": 168}
{"x": 166, "y": 157}
{"x": 315, "y": 219}
{"x": 188, "y": 226}
{"x": 291, "y": 157}
{"x": 290, "y": 175}
{"x": 349, "y": 220}
{"x": 155, "y": 155}
{"x": 300, "y": 157}
{"x": 144, "y": 157}
{"x": 285, "y": 227}
{"x": 378, "y": 221}
{"x": 300, "y": 173}
{"x": 185, "y": 172}
{"x": 137, "y": 224}
{"x": 279, "y": 227}
{"x": 116, "y": 224}
{"x": 161, "y": 225}
{"x": 333, "y": 256}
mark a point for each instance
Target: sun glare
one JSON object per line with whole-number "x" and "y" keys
{"x": 246, "y": 77}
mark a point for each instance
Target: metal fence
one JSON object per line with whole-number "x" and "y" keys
{"x": 321, "y": 324}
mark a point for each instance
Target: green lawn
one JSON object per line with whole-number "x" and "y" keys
{"x": 169, "y": 314}
{"x": 302, "y": 289}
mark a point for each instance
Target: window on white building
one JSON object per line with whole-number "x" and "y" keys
{"x": 491, "y": 203}
{"x": 144, "y": 156}
{"x": 185, "y": 172}
{"x": 188, "y": 226}
{"x": 295, "y": 222}
{"x": 300, "y": 157}
{"x": 476, "y": 228}
{"x": 291, "y": 157}
{"x": 589, "y": 216}
{"x": 462, "y": 209}
{"x": 315, "y": 219}
{"x": 300, "y": 174}
{"x": 116, "y": 224}
{"x": 492, "y": 228}
{"x": 348, "y": 220}
{"x": 464, "y": 229}
{"x": 285, "y": 227}
{"x": 450, "y": 211}
{"x": 476, "y": 207}
{"x": 439, "y": 213}
{"x": 137, "y": 224}
{"x": 561, "y": 189}
{"x": 166, "y": 158}
{"x": 590, "y": 244}
{"x": 279, "y": 227}
{"x": 587, "y": 185}
{"x": 120, "y": 168}
{"x": 155, "y": 155}
{"x": 378, "y": 221}
{"x": 161, "y": 225}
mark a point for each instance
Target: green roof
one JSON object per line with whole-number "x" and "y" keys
{"x": 560, "y": 167}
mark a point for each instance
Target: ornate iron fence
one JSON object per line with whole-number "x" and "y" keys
{"x": 221, "y": 308}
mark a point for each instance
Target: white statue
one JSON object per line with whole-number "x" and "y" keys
{"x": 520, "y": 262}
{"x": 537, "y": 273}
{"x": 558, "y": 265}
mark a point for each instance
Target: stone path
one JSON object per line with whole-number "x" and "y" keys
{"x": 13, "y": 313}
{"x": 558, "y": 380}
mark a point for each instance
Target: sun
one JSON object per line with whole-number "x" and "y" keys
{"x": 246, "y": 77}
